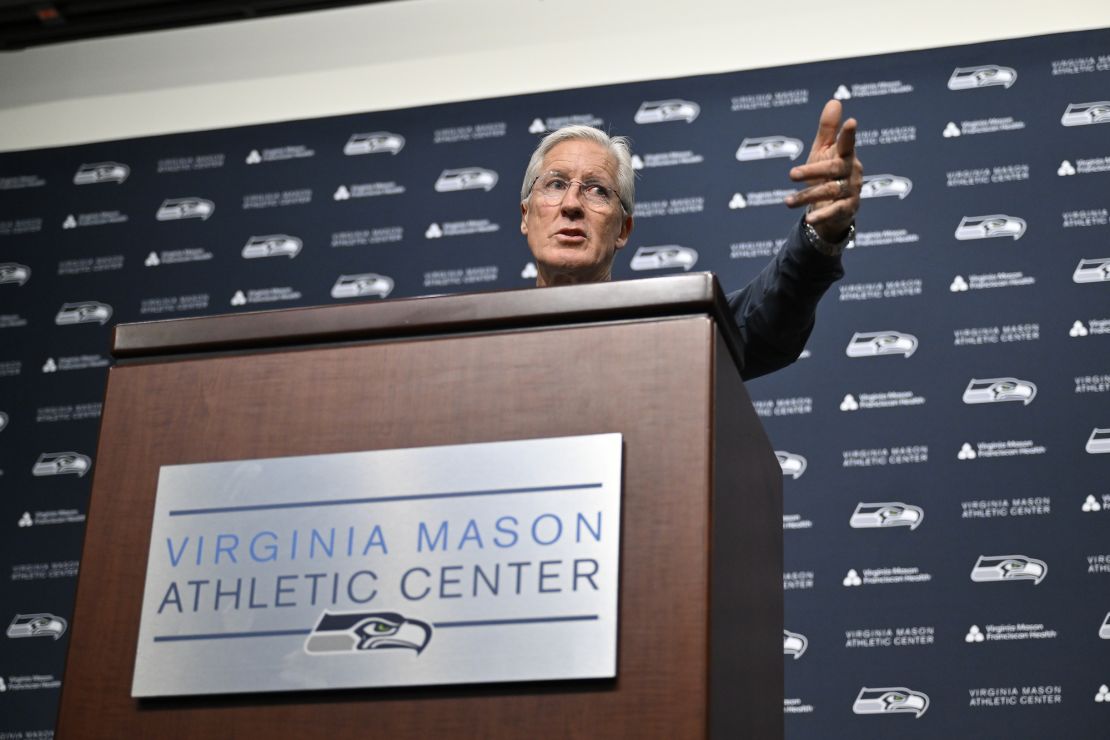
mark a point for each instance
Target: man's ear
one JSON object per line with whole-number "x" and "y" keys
{"x": 626, "y": 231}
{"x": 524, "y": 218}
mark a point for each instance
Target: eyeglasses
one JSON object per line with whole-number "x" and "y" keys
{"x": 598, "y": 196}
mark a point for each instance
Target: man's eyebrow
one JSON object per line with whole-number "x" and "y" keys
{"x": 590, "y": 175}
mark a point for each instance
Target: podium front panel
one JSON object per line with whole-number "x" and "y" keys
{"x": 650, "y": 381}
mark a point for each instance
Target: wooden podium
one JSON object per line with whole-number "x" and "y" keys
{"x": 700, "y": 603}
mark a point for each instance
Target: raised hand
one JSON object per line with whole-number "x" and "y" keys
{"x": 833, "y": 174}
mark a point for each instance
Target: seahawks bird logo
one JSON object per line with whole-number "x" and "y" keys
{"x": 354, "y": 632}
{"x": 891, "y": 700}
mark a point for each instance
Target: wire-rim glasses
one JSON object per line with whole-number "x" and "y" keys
{"x": 553, "y": 187}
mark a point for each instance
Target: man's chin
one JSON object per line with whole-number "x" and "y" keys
{"x": 565, "y": 269}
{"x": 564, "y": 258}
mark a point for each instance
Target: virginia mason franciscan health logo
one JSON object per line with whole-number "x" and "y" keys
{"x": 437, "y": 565}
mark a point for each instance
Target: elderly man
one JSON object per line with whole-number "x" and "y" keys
{"x": 576, "y": 212}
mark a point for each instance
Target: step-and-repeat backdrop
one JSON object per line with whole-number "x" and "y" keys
{"x": 945, "y": 439}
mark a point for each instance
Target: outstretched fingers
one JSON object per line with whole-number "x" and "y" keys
{"x": 827, "y": 127}
{"x": 825, "y": 191}
{"x": 826, "y": 169}
{"x": 846, "y": 141}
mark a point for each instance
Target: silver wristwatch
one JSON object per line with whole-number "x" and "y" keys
{"x": 832, "y": 249}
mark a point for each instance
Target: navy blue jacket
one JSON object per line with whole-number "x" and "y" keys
{"x": 775, "y": 312}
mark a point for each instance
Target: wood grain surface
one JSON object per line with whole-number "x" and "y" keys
{"x": 649, "y": 380}
{"x": 652, "y": 381}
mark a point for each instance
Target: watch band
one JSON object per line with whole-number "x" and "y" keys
{"x": 832, "y": 249}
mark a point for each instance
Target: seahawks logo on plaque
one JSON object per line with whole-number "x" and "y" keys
{"x": 356, "y": 632}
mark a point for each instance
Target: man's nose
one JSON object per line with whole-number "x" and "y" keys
{"x": 572, "y": 199}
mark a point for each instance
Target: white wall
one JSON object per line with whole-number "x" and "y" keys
{"x": 415, "y": 52}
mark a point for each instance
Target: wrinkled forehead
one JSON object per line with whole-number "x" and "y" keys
{"x": 580, "y": 159}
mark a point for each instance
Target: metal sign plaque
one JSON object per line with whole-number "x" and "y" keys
{"x": 438, "y": 565}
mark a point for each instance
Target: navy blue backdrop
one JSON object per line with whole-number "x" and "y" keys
{"x": 954, "y": 392}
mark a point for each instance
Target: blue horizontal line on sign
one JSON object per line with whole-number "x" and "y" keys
{"x": 525, "y": 620}
{"x": 437, "y": 625}
{"x": 382, "y": 499}
{"x": 230, "y": 635}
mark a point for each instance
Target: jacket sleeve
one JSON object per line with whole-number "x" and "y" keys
{"x": 775, "y": 312}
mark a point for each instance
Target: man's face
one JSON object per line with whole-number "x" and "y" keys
{"x": 572, "y": 241}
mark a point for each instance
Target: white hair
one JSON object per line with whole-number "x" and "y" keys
{"x": 619, "y": 147}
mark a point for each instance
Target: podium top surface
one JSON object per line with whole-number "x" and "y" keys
{"x": 674, "y": 295}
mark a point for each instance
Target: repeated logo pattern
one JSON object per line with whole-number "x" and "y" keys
{"x": 959, "y": 369}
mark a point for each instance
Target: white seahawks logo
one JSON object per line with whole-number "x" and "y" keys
{"x": 660, "y": 111}
{"x": 272, "y": 245}
{"x": 466, "y": 178}
{"x": 794, "y": 644}
{"x": 90, "y": 174}
{"x": 891, "y": 700}
{"x": 37, "y": 625}
{"x": 988, "y": 227}
{"x": 84, "y": 312}
{"x": 374, "y": 143}
{"x": 990, "y": 568}
{"x": 886, "y": 514}
{"x": 61, "y": 463}
{"x": 364, "y": 284}
{"x": 1084, "y": 114}
{"x": 768, "y": 147}
{"x": 876, "y": 343}
{"x": 14, "y": 273}
{"x": 1087, "y": 271}
{"x": 663, "y": 257}
{"x": 987, "y": 75}
{"x": 999, "y": 390}
{"x": 1099, "y": 441}
{"x": 882, "y": 186}
{"x": 176, "y": 209}
{"x": 791, "y": 463}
